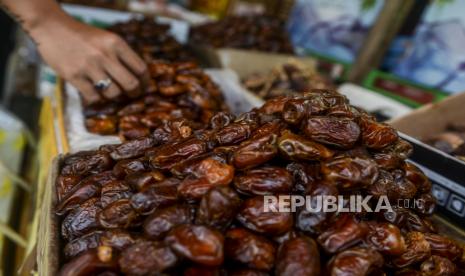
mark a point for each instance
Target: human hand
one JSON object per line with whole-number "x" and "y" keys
{"x": 84, "y": 55}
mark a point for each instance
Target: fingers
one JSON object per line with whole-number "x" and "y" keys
{"x": 112, "y": 92}
{"x": 87, "y": 90}
{"x": 131, "y": 59}
{"x": 122, "y": 76}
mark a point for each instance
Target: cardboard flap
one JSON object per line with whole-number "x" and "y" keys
{"x": 48, "y": 244}
{"x": 433, "y": 118}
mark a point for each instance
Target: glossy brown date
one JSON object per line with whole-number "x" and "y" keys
{"x": 80, "y": 193}
{"x": 118, "y": 214}
{"x": 117, "y": 238}
{"x": 415, "y": 222}
{"x": 83, "y": 243}
{"x": 401, "y": 187}
{"x": 247, "y": 272}
{"x": 444, "y": 247}
{"x": 251, "y": 250}
{"x": 160, "y": 222}
{"x": 221, "y": 120}
{"x": 233, "y": 133}
{"x": 387, "y": 160}
{"x": 298, "y": 256}
{"x": 65, "y": 183}
{"x": 295, "y": 110}
{"x": 264, "y": 181}
{"x": 297, "y": 148}
{"x": 191, "y": 166}
{"x": 377, "y": 135}
{"x": 414, "y": 175}
{"x": 133, "y": 148}
{"x": 81, "y": 220}
{"x": 210, "y": 173}
{"x": 382, "y": 184}
{"x": 418, "y": 249}
{"x": 356, "y": 261}
{"x": 132, "y": 108}
{"x": 132, "y": 131}
{"x": 129, "y": 166}
{"x": 100, "y": 179}
{"x": 259, "y": 149}
{"x": 146, "y": 258}
{"x": 342, "y": 234}
{"x": 394, "y": 185}
{"x": 202, "y": 271}
{"x": 438, "y": 266}
{"x": 275, "y": 105}
{"x": 140, "y": 180}
{"x": 153, "y": 196}
{"x": 168, "y": 155}
{"x": 350, "y": 173}
{"x": 339, "y": 132}
{"x": 91, "y": 262}
{"x": 87, "y": 162}
{"x": 393, "y": 156}
{"x": 386, "y": 238}
{"x": 315, "y": 221}
{"x": 197, "y": 243}
{"x": 113, "y": 191}
{"x": 218, "y": 207}
{"x": 101, "y": 109}
{"x": 304, "y": 175}
{"x": 101, "y": 125}
{"x": 253, "y": 216}
{"x": 173, "y": 130}
{"x": 425, "y": 204}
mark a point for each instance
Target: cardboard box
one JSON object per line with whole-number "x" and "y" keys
{"x": 372, "y": 101}
{"x": 433, "y": 118}
{"x": 445, "y": 171}
{"x": 49, "y": 243}
{"x": 245, "y": 62}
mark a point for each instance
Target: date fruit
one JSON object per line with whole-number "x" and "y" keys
{"x": 197, "y": 243}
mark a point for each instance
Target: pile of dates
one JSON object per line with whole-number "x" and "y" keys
{"x": 152, "y": 40}
{"x": 259, "y": 33}
{"x": 286, "y": 79}
{"x": 176, "y": 90}
{"x": 451, "y": 141}
{"x": 192, "y": 202}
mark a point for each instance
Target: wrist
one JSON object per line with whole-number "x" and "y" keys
{"x": 45, "y": 22}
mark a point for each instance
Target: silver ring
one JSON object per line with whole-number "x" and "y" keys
{"x": 102, "y": 85}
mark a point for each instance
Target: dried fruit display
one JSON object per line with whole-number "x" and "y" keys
{"x": 452, "y": 141}
{"x": 194, "y": 204}
{"x": 286, "y": 79}
{"x": 152, "y": 40}
{"x": 259, "y": 33}
{"x": 179, "y": 96}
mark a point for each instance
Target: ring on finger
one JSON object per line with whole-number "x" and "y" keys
{"x": 103, "y": 84}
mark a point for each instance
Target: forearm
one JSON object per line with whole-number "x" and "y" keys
{"x": 34, "y": 14}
